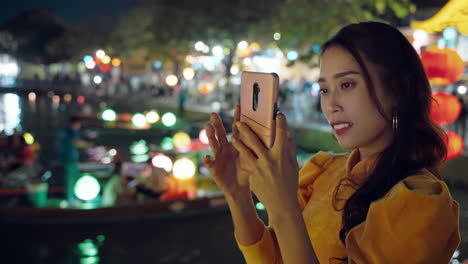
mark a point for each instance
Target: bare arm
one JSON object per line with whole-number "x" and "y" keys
{"x": 248, "y": 227}
{"x": 293, "y": 239}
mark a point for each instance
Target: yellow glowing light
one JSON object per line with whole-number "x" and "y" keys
{"x": 190, "y": 59}
{"x": 255, "y": 46}
{"x": 172, "y": 80}
{"x": 28, "y": 138}
{"x": 181, "y": 139}
{"x": 152, "y": 117}
{"x": 184, "y": 168}
{"x": 189, "y": 73}
{"x": 116, "y": 62}
{"x": 106, "y": 59}
{"x": 67, "y": 97}
{"x": 235, "y": 69}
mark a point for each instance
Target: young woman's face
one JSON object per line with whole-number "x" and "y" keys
{"x": 348, "y": 106}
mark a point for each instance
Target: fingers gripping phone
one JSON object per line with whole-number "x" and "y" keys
{"x": 259, "y": 95}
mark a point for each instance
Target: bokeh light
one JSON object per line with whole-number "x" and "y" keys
{"x": 116, "y": 62}
{"x": 32, "y": 96}
{"x": 28, "y": 138}
{"x": 189, "y": 73}
{"x": 100, "y": 54}
{"x": 87, "y": 187}
{"x": 162, "y": 161}
{"x": 109, "y": 115}
{"x": 106, "y": 59}
{"x": 167, "y": 144}
{"x": 203, "y": 137}
{"x": 97, "y": 79}
{"x": 172, "y": 80}
{"x": 181, "y": 139}
{"x": 139, "y": 120}
{"x": 169, "y": 119}
{"x": 184, "y": 168}
{"x": 152, "y": 117}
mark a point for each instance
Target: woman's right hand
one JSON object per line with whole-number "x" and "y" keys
{"x": 224, "y": 167}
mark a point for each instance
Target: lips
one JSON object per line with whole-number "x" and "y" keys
{"x": 341, "y": 127}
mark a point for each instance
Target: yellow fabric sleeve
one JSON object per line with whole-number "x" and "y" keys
{"x": 266, "y": 250}
{"x": 416, "y": 222}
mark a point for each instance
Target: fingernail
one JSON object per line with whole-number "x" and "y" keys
{"x": 238, "y": 124}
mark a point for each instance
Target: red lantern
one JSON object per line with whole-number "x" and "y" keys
{"x": 442, "y": 66}
{"x": 445, "y": 108}
{"x": 454, "y": 144}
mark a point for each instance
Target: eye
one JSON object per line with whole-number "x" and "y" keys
{"x": 323, "y": 91}
{"x": 348, "y": 85}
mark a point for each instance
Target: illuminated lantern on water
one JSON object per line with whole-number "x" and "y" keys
{"x": 442, "y": 66}
{"x": 454, "y": 144}
{"x": 445, "y": 108}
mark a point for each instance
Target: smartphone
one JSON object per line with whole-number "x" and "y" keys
{"x": 259, "y": 95}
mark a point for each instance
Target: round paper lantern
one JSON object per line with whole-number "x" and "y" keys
{"x": 445, "y": 108}
{"x": 454, "y": 145}
{"x": 442, "y": 66}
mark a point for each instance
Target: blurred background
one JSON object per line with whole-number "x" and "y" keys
{"x": 103, "y": 105}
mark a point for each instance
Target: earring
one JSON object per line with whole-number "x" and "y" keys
{"x": 395, "y": 122}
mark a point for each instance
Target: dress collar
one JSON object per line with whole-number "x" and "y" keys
{"x": 358, "y": 170}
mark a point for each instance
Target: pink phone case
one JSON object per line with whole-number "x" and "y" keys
{"x": 262, "y": 119}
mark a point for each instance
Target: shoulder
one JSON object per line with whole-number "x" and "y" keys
{"x": 420, "y": 184}
{"x": 318, "y": 164}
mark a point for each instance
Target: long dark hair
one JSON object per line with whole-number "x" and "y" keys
{"x": 418, "y": 142}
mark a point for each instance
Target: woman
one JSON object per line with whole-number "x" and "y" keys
{"x": 384, "y": 202}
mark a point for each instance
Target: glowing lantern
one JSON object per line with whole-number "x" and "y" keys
{"x": 181, "y": 139}
{"x": 162, "y": 161}
{"x": 442, "y": 66}
{"x": 67, "y": 97}
{"x": 184, "y": 168}
{"x": 87, "y": 187}
{"x": 445, "y": 108}
{"x": 454, "y": 144}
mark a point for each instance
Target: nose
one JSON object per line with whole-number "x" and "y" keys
{"x": 332, "y": 104}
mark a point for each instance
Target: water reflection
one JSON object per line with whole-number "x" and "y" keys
{"x": 10, "y": 113}
{"x": 89, "y": 250}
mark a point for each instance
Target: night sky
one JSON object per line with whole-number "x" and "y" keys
{"x": 69, "y": 10}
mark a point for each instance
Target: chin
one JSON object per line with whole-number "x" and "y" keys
{"x": 346, "y": 144}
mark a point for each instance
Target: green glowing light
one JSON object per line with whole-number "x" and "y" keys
{"x": 109, "y": 115}
{"x": 167, "y": 144}
{"x": 139, "y": 147}
{"x": 169, "y": 119}
{"x": 87, "y": 188}
{"x": 260, "y": 206}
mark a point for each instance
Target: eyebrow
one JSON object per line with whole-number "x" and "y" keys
{"x": 339, "y": 75}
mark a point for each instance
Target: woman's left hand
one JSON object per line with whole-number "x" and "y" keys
{"x": 275, "y": 177}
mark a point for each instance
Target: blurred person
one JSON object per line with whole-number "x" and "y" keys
{"x": 68, "y": 144}
{"x": 384, "y": 202}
